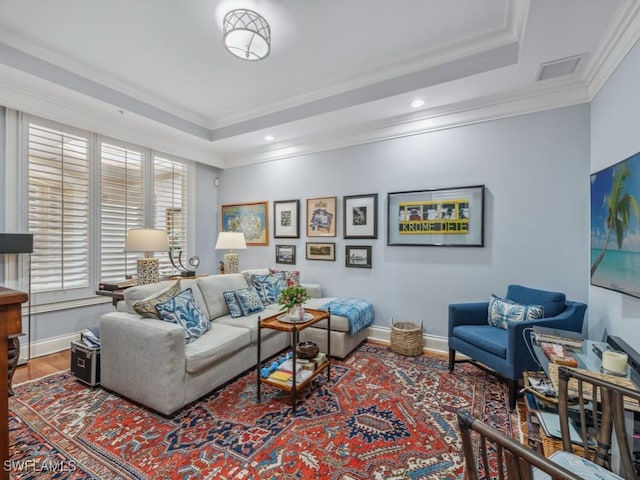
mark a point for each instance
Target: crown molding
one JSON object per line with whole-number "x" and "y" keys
{"x": 553, "y": 94}
{"x": 622, "y": 34}
{"x": 27, "y": 93}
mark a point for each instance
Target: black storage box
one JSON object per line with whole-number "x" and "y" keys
{"x": 85, "y": 363}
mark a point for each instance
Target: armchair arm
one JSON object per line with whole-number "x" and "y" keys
{"x": 473, "y": 313}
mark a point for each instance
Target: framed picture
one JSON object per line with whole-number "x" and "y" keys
{"x": 252, "y": 219}
{"x": 321, "y": 217}
{"x": 286, "y": 254}
{"x": 360, "y": 215}
{"x": 615, "y": 195}
{"x": 286, "y": 219}
{"x": 450, "y": 217}
{"x": 358, "y": 256}
{"x": 321, "y": 251}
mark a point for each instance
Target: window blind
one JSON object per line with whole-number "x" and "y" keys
{"x": 121, "y": 208}
{"x": 58, "y": 208}
{"x": 170, "y": 188}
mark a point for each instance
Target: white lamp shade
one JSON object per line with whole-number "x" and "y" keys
{"x": 231, "y": 241}
{"x": 146, "y": 240}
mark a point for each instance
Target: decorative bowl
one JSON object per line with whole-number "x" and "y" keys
{"x": 307, "y": 350}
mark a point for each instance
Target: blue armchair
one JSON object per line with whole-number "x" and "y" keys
{"x": 505, "y": 351}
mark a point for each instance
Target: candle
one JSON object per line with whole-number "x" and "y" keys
{"x": 615, "y": 362}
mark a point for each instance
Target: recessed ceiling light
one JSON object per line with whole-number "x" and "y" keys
{"x": 269, "y": 138}
{"x": 417, "y": 103}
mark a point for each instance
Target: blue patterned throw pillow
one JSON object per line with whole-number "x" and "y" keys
{"x": 232, "y": 304}
{"x": 249, "y": 301}
{"x": 184, "y": 311}
{"x": 268, "y": 286}
{"x": 503, "y": 311}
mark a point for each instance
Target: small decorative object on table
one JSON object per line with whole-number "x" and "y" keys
{"x": 292, "y": 298}
{"x": 307, "y": 350}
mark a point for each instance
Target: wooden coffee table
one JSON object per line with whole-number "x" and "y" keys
{"x": 294, "y": 329}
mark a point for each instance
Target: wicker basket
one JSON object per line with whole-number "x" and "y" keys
{"x": 406, "y": 338}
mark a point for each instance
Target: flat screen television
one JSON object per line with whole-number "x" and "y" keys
{"x": 615, "y": 227}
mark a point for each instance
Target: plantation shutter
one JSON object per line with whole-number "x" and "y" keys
{"x": 170, "y": 184}
{"x": 58, "y": 206}
{"x": 121, "y": 208}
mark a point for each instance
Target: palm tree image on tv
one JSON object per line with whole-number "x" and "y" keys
{"x": 615, "y": 213}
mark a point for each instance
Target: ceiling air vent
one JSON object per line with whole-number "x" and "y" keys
{"x": 558, "y": 68}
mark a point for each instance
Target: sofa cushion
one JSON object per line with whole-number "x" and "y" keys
{"x": 184, "y": 311}
{"x": 553, "y": 303}
{"x": 213, "y": 288}
{"x": 268, "y": 286}
{"x": 251, "y": 323}
{"x": 192, "y": 283}
{"x": 291, "y": 277}
{"x": 219, "y": 342}
{"x": 503, "y": 311}
{"x": 255, "y": 271}
{"x": 249, "y": 301}
{"x": 485, "y": 337}
{"x": 232, "y": 304}
{"x": 162, "y": 292}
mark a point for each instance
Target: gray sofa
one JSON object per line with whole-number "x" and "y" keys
{"x": 148, "y": 361}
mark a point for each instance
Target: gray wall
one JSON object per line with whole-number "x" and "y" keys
{"x": 536, "y": 172}
{"x": 614, "y": 137}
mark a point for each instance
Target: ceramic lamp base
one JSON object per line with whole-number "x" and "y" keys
{"x": 231, "y": 263}
{"x": 148, "y": 270}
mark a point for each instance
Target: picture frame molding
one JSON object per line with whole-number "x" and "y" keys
{"x": 348, "y": 260}
{"x": 264, "y": 210}
{"x": 332, "y": 209}
{"x": 277, "y": 233}
{"x": 330, "y": 257}
{"x": 353, "y": 231}
{"x": 475, "y": 202}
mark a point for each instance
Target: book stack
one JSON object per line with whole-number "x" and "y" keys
{"x": 561, "y": 337}
{"x": 312, "y": 363}
{"x": 283, "y": 375}
{"x": 558, "y": 354}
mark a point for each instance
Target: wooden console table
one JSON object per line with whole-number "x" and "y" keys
{"x": 10, "y": 324}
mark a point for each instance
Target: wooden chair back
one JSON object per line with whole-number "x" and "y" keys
{"x": 501, "y": 457}
{"x": 599, "y": 405}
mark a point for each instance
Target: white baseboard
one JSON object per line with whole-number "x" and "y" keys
{"x": 46, "y": 347}
{"x": 432, "y": 343}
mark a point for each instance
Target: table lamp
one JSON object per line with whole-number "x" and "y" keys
{"x": 230, "y": 241}
{"x": 147, "y": 240}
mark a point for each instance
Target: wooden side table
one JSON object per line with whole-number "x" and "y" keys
{"x": 294, "y": 329}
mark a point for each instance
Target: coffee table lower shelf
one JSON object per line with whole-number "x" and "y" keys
{"x": 299, "y": 386}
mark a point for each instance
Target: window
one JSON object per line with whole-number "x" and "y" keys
{"x": 170, "y": 208}
{"x": 121, "y": 208}
{"x": 83, "y": 194}
{"x": 58, "y": 209}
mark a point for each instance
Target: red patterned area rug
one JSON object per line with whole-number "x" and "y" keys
{"x": 382, "y": 416}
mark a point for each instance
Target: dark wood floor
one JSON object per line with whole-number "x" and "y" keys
{"x": 42, "y": 366}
